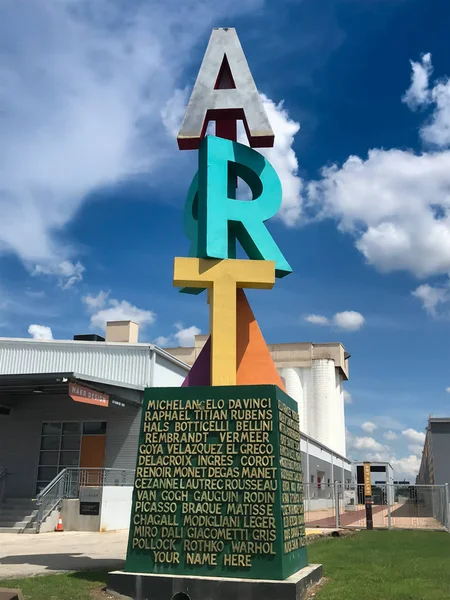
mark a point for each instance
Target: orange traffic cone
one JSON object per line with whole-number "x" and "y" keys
{"x": 59, "y": 527}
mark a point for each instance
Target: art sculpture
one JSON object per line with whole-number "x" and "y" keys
{"x": 218, "y": 498}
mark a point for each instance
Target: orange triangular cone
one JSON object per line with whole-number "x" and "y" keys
{"x": 254, "y": 364}
{"x": 59, "y": 526}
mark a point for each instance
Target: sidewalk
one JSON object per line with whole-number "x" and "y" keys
{"x": 27, "y": 555}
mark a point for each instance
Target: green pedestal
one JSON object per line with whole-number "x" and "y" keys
{"x": 218, "y": 488}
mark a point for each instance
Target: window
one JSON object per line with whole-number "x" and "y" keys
{"x": 312, "y": 478}
{"x": 61, "y": 446}
{"x": 94, "y": 428}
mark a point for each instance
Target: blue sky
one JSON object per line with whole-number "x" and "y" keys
{"x": 93, "y": 185}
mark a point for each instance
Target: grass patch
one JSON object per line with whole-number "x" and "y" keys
{"x": 388, "y": 565}
{"x": 86, "y": 585}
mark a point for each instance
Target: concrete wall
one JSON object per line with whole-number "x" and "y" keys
{"x": 440, "y": 442}
{"x": 115, "y": 513}
{"x": 50, "y": 522}
{"x": 116, "y": 508}
{"x": 73, "y": 521}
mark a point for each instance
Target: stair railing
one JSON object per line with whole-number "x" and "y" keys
{"x": 50, "y": 497}
{"x": 3, "y": 480}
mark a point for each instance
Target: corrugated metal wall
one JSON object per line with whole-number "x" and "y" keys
{"x": 122, "y": 437}
{"x": 20, "y": 435}
{"x": 123, "y": 363}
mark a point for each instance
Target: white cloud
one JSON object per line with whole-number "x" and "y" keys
{"x": 40, "y": 332}
{"x": 82, "y": 86}
{"x": 106, "y": 309}
{"x": 368, "y": 427}
{"x": 396, "y": 203}
{"x": 416, "y": 437}
{"x": 347, "y": 397}
{"x": 284, "y": 161}
{"x": 162, "y": 341}
{"x": 386, "y": 422}
{"x": 418, "y": 93}
{"x": 447, "y": 389}
{"x": 431, "y": 297}
{"x": 367, "y": 448}
{"x": 317, "y": 320}
{"x": 437, "y": 130}
{"x": 408, "y": 467}
{"x": 383, "y": 456}
{"x": 183, "y": 336}
{"x": 417, "y": 449}
{"x": 366, "y": 443}
{"x": 95, "y": 302}
{"x": 349, "y": 320}
{"x": 173, "y": 111}
{"x": 67, "y": 272}
{"x": 390, "y": 203}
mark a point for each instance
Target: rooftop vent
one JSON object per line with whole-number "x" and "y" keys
{"x": 88, "y": 337}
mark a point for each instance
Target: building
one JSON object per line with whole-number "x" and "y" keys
{"x": 45, "y": 422}
{"x": 73, "y": 407}
{"x": 435, "y": 466}
{"x": 314, "y": 376}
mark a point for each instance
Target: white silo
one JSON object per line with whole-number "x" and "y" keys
{"x": 340, "y": 423}
{"x": 295, "y": 388}
{"x": 319, "y": 393}
{"x": 324, "y": 401}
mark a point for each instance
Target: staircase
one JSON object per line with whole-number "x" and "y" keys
{"x": 18, "y": 515}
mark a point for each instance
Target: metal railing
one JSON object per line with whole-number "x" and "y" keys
{"x": 95, "y": 477}
{"x": 3, "y": 480}
{"x": 395, "y": 506}
{"x": 68, "y": 482}
{"x": 49, "y": 498}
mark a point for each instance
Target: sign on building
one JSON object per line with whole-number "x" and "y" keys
{"x": 80, "y": 393}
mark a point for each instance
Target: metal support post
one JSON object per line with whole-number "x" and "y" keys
{"x": 336, "y": 502}
{"x": 332, "y": 468}
{"x": 388, "y": 499}
{"x": 447, "y": 508}
{"x": 308, "y": 480}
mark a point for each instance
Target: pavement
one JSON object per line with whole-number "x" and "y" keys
{"x": 26, "y": 555}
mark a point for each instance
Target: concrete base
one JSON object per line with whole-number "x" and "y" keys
{"x": 143, "y": 586}
{"x": 10, "y": 594}
{"x": 73, "y": 521}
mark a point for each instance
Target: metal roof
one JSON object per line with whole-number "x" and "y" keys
{"x": 119, "y": 364}
{"x": 12, "y": 386}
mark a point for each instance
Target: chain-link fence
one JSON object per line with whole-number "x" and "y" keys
{"x": 394, "y": 506}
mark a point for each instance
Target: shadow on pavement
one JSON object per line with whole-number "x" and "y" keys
{"x": 62, "y": 562}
